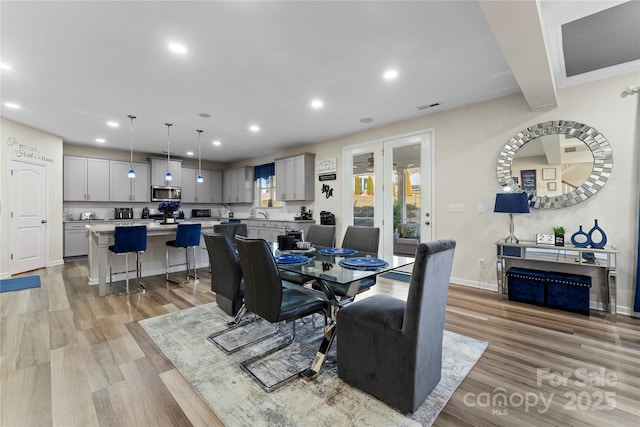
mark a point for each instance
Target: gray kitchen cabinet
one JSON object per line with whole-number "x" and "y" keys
{"x": 194, "y": 191}
{"x": 76, "y": 239}
{"x": 237, "y": 185}
{"x": 159, "y": 168}
{"x": 294, "y": 177}
{"x": 125, "y": 189}
{"x": 86, "y": 179}
{"x": 216, "y": 187}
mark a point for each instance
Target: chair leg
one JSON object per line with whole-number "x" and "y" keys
{"x": 245, "y": 365}
{"x": 141, "y": 286}
{"x": 231, "y": 350}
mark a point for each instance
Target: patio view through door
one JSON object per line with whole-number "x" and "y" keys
{"x": 391, "y": 188}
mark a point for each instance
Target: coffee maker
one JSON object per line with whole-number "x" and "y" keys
{"x": 304, "y": 213}
{"x": 145, "y": 213}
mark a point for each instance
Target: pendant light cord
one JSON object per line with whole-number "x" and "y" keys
{"x": 199, "y": 151}
{"x": 131, "y": 117}
{"x": 168, "y": 142}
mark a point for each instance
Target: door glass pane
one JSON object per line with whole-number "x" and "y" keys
{"x": 406, "y": 198}
{"x": 364, "y": 189}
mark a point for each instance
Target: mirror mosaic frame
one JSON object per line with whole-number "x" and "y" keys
{"x": 597, "y": 143}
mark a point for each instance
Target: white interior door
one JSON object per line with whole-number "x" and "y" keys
{"x": 28, "y": 217}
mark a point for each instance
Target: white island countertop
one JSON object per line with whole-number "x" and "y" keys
{"x": 101, "y": 236}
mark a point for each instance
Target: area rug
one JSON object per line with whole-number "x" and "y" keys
{"x": 238, "y": 400}
{"x": 18, "y": 283}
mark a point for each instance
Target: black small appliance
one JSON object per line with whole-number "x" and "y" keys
{"x": 123, "y": 213}
{"x": 145, "y": 213}
{"x": 327, "y": 218}
{"x": 200, "y": 213}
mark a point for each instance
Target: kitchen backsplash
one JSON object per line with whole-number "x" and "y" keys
{"x": 72, "y": 210}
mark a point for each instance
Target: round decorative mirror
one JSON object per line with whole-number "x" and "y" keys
{"x": 558, "y": 163}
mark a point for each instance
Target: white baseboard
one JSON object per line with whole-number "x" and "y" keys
{"x": 56, "y": 263}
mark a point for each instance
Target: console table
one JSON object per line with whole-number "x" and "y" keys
{"x": 582, "y": 257}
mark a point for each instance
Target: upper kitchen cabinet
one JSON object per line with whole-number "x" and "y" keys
{"x": 86, "y": 179}
{"x": 159, "y": 170}
{"x": 237, "y": 185}
{"x": 294, "y": 177}
{"x": 194, "y": 191}
{"x": 125, "y": 189}
{"x": 216, "y": 187}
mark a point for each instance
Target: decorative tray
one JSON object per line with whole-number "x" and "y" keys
{"x": 292, "y": 259}
{"x": 338, "y": 251}
{"x": 363, "y": 263}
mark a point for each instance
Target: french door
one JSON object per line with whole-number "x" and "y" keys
{"x": 391, "y": 187}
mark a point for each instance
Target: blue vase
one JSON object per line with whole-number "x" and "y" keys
{"x": 577, "y": 235}
{"x": 596, "y": 229}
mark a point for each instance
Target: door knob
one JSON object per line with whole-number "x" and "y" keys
{"x": 427, "y": 223}
{"x": 427, "y": 214}
{"x": 44, "y": 221}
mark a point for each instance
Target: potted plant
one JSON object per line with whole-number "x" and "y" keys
{"x": 559, "y": 232}
{"x": 168, "y": 208}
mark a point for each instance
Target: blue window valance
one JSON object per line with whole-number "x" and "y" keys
{"x": 264, "y": 171}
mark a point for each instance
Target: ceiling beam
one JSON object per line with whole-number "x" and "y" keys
{"x": 517, "y": 26}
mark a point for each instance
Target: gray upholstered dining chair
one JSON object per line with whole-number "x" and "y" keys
{"x": 392, "y": 349}
{"x": 318, "y": 235}
{"x": 231, "y": 229}
{"x": 321, "y": 235}
{"x": 365, "y": 239}
{"x": 273, "y": 299}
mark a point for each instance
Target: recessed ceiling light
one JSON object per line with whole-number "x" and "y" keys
{"x": 177, "y": 48}
{"x": 216, "y": 143}
{"x": 11, "y": 105}
{"x": 390, "y": 74}
{"x": 254, "y": 128}
{"x": 5, "y": 66}
{"x": 113, "y": 124}
{"x": 316, "y": 103}
{"x": 100, "y": 140}
{"x": 189, "y": 153}
{"x": 366, "y": 120}
{"x": 204, "y": 115}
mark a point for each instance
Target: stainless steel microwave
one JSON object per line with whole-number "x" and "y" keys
{"x": 161, "y": 194}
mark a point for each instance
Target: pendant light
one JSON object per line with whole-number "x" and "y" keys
{"x": 131, "y": 173}
{"x": 200, "y": 178}
{"x": 168, "y": 176}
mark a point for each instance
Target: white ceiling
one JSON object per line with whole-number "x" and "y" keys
{"x": 77, "y": 65}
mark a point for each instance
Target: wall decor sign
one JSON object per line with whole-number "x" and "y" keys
{"x": 327, "y": 166}
{"x": 327, "y": 177}
{"x": 27, "y": 151}
{"x": 327, "y": 191}
{"x": 528, "y": 178}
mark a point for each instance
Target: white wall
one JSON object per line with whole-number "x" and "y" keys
{"x": 51, "y": 146}
{"x": 467, "y": 143}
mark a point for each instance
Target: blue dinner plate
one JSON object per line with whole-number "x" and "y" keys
{"x": 363, "y": 263}
{"x": 338, "y": 251}
{"x": 292, "y": 259}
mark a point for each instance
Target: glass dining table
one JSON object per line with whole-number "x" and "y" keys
{"x": 340, "y": 273}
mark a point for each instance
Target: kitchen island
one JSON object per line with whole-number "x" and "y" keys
{"x": 153, "y": 259}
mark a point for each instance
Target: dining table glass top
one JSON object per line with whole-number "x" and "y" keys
{"x": 329, "y": 267}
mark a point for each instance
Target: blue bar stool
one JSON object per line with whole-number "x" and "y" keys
{"x": 127, "y": 240}
{"x": 187, "y": 236}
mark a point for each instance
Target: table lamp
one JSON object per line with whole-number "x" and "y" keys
{"x": 511, "y": 203}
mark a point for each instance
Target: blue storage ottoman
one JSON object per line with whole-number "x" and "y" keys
{"x": 568, "y": 292}
{"x": 526, "y": 285}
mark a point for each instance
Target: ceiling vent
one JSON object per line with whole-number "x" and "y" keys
{"x": 425, "y": 106}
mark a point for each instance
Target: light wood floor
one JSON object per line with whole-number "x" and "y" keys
{"x": 71, "y": 358}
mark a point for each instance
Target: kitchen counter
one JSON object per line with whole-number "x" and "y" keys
{"x": 153, "y": 259}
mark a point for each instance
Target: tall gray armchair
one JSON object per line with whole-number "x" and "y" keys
{"x": 393, "y": 350}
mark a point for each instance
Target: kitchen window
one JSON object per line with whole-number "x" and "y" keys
{"x": 265, "y": 181}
